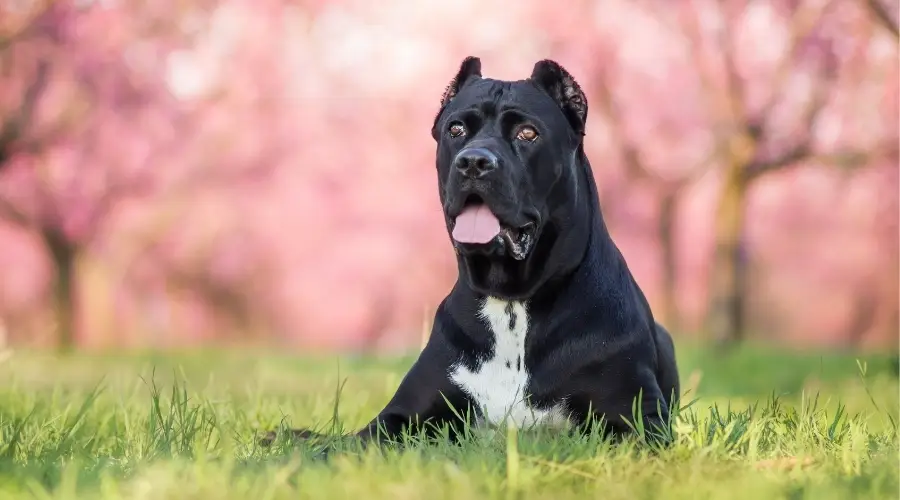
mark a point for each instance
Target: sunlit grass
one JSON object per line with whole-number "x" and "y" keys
{"x": 186, "y": 426}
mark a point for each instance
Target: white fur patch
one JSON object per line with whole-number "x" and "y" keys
{"x": 498, "y": 385}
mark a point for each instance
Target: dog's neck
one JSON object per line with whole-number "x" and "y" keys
{"x": 591, "y": 239}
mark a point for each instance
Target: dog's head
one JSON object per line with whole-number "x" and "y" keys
{"x": 509, "y": 157}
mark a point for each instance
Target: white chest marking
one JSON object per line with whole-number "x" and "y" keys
{"x": 498, "y": 384}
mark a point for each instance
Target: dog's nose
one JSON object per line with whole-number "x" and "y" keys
{"x": 475, "y": 162}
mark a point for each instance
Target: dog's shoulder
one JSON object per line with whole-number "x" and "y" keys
{"x": 604, "y": 297}
{"x": 458, "y": 325}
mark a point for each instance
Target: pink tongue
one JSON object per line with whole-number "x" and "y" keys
{"x": 476, "y": 224}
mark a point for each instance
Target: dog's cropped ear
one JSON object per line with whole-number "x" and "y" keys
{"x": 562, "y": 87}
{"x": 469, "y": 69}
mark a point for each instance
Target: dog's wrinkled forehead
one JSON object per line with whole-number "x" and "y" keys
{"x": 489, "y": 97}
{"x": 550, "y": 93}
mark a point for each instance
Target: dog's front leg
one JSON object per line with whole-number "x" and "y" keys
{"x": 425, "y": 400}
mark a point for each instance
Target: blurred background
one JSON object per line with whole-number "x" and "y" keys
{"x": 211, "y": 172}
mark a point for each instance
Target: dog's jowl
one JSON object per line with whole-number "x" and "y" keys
{"x": 545, "y": 324}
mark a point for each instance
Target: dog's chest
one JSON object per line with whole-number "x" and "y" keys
{"x": 498, "y": 385}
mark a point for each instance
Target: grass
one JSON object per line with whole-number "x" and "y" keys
{"x": 764, "y": 424}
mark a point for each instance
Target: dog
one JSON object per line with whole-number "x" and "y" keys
{"x": 545, "y": 324}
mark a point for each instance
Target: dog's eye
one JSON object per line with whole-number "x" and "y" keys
{"x": 457, "y": 130}
{"x": 527, "y": 133}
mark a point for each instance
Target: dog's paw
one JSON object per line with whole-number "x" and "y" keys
{"x": 294, "y": 434}
{"x": 268, "y": 439}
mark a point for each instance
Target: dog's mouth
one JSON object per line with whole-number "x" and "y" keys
{"x": 518, "y": 241}
{"x": 477, "y": 227}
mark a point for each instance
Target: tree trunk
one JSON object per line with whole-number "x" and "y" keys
{"x": 725, "y": 321}
{"x": 666, "y": 234}
{"x": 63, "y": 253}
{"x": 863, "y": 317}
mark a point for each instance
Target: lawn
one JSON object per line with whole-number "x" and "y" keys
{"x": 764, "y": 424}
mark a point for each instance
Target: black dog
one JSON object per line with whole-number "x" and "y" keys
{"x": 546, "y": 324}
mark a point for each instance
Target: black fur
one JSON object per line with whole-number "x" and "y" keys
{"x": 592, "y": 340}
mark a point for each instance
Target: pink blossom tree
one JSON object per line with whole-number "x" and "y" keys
{"x": 750, "y": 90}
{"x": 91, "y": 118}
{"x": 265, "y": 166}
